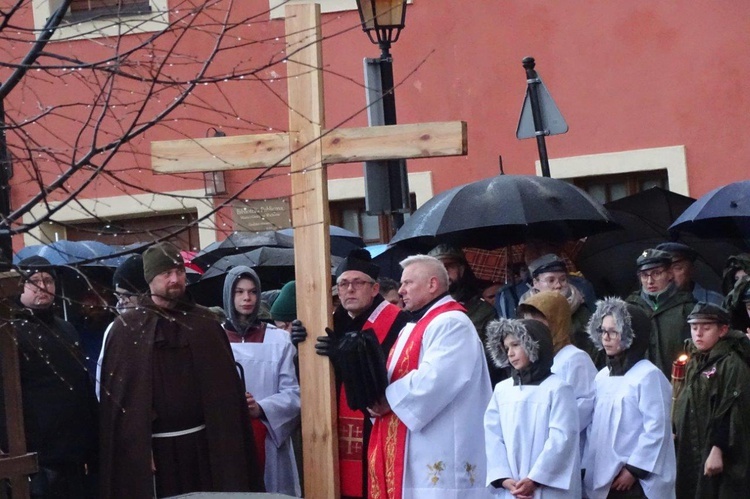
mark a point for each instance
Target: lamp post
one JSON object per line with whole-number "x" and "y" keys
{"x": 386, "y": 182}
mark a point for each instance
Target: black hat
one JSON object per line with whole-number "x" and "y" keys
{"x": 33, "y": 264}
{"x": 129, "y": 275}
{"x": 159, "y": 258}
{"x": 679, "y": 251}
{"x": 359, "y": 259}
{"x": 705, "y": 312}
{"x": 547, "y": 263}
{"x": 652, "y": 258}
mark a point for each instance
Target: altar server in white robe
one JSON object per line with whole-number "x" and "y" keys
{"x": 266, "y": 355}
{"x": 629, "y": 448}
{"x": 428, "y": 438}
{"x": 531, "y": 423}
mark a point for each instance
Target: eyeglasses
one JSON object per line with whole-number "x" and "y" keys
{"x": 45, "y": 282}
{"x": 645, "y": 275}
{"x": 610, "y": 334}
{"x": 552, "y": 280}
{"x": 357, "y": 284}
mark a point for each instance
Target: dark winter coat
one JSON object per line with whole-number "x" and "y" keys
{"x": 127, "y": 404}
{"x": 713, "y": 409}
{"x": 59, "y": 405}
{"x": 669, "y": 327}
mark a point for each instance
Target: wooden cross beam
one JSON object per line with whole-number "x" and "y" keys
{"x": 306, "y": 148}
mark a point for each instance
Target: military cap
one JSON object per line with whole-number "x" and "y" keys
{"x": 448, "y": 252}
{"x": 547, "y": 263}
{"x": 679, "y": 251}
{"x": 652, "y": 258}
{"x": 705, "y": 312}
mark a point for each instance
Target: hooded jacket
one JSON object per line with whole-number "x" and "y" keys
{"x": 536, "y": 341}
{"x": 669, "y": 327}
{"x": 634, "y": 327}
{"x": 244, "y": 330}
{"x": 556, "y": 310}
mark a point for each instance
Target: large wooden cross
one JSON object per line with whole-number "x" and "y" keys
{"x": 307, "y": 147}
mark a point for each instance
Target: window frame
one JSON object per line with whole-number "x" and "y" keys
{"x": 98, "y": 27}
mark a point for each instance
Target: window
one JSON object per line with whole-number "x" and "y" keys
{"x": 85, "y": 10}
{"x": 606, "y": 188}
{"x": 612, "y": 174}
{"x": 103, "y": 18}
{"x": 373, "y": 229}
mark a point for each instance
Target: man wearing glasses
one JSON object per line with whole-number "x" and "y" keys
{"x": 666, "y": 306}
{"x": 362, "y": 307}
{"x": 59, "y": 406}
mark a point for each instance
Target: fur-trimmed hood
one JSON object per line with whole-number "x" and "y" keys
{"x": 536, "y": 340}
{"x": 632, "y": 323}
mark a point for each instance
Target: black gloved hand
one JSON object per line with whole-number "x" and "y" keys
{"x": 299, "y": 332}
{"x": 326, "y": 345}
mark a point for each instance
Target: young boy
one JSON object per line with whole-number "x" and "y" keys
{"x": 712, "y": 413}
{"x": 531, "y": 423}
{"x": 629, "y": 450}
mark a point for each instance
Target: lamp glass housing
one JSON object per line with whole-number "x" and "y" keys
{"x": 383, "y": 17}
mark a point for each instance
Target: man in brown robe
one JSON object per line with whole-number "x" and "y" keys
{"x": 173, "y": 412}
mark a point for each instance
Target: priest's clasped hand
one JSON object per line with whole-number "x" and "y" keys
{"x": 381, "y": 408}
{"x": 326, "y": 345}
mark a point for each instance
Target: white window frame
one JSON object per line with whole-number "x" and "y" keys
{"x": 156, "y": 20}
{"x": 134, "y": 206}
{"x": 672, "y": 159}
{"x": 277, "y": 6}
{"x": 342, "y": 189}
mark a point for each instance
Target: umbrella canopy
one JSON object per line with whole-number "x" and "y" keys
{"x": 505, "y": 210}
{"x": 608, "y": 260}
{"x": 69, "y": 252}
{"x": 342, "y": 240}
{"x": 241, "y": 242}
{"x": 723, "y": 212}
{"x": 274, "y": 266}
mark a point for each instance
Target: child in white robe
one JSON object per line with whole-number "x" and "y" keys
{"x": 629, "y": 448}
{"x": 531, "y": 423}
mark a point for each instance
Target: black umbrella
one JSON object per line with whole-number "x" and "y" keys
{"x": 608, "y": 259}
{"x": 342, "y": 241}
{"x": 505, "y": 210}
{"x": 723, "y": 212}
{"x": 241, "y": 242}
{"x": 274, "y": 266}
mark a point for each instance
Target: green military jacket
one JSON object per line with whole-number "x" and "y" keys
{"x": 714, "y": 409}
{"x": 669, "y": 327}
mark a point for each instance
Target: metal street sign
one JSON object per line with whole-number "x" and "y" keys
{"x": 553, "y": 122}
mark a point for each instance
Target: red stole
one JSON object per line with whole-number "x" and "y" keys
{"x": 386, "y": 454}
{"x": 351, "y": 423}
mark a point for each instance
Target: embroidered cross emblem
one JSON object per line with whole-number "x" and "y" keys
{"x": 351, "y": 439}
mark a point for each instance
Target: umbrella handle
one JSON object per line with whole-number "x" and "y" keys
{"x": 241, "y": 371}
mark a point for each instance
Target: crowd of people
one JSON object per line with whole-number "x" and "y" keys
{"x": 535, "y": 389}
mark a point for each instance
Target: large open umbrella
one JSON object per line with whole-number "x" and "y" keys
{"x": 65, "y": 252}
{"x": 505, "y": 210}
{"x": 723, "y": 212}
{"x": 241, "y": 242}
{"x": 342, "y": 241}
{"x": 608, "y": 260}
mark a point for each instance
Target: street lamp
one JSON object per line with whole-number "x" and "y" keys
{"x": 386, "y": 182}
{"x": 383, "y": 18}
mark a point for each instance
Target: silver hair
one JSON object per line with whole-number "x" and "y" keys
{"x": 435, "y": 268}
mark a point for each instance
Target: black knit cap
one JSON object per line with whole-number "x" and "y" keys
{"x": 359, "y": 259}
{"x": 129, "y": 275}
{"x": 33, "y": 264}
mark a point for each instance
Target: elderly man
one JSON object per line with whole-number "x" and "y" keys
{"x": 174, "y": 418}
{"x": 362, "y": 307}
{"x": 59, "y": 406}
{"x": 683, "y": 269}
{"x": 666, "y": 306}
{"x": 428, "y": 438}
{"x": 550, "y": 273}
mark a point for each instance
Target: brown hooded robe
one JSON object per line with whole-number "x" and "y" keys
{"x": 129, "y": 413}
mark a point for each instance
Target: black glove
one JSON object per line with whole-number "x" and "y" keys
{"x": 326, "y": 345}
{"x": 299, "y": 332}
